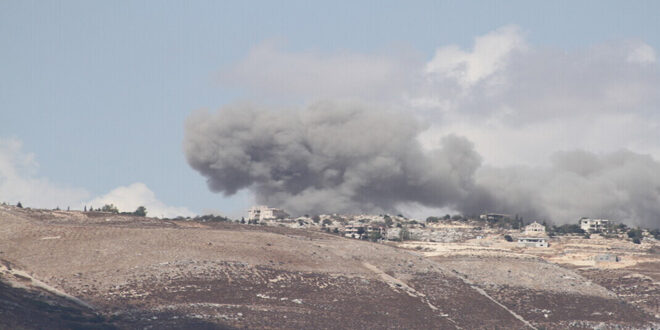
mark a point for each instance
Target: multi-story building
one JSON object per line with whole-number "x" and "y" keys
{"x": 534, "y": 228}
{"x": 593, "y": 225}
{"x": 532, "y": 242}
{"x": 261, "y": 213}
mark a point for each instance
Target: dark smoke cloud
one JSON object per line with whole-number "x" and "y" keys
{"x": 331, "y": 157}
{"x": 345, "y": 158}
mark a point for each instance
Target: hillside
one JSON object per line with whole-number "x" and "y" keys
{"x": 120, "y": 271}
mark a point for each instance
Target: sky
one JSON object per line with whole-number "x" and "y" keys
{"x": 94, "y": 96}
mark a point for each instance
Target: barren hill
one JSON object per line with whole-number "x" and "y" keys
{"x": 133, "y": 272}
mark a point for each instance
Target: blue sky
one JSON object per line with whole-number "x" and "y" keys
{"x": 98, "y": 91}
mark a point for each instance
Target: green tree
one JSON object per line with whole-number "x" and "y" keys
{"x": 110, "y": 208}
{"x": 141, "y": 211}
{"x": 374, "y": 236}
{"x": 635, "y": 233}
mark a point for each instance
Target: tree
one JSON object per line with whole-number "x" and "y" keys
{"x": 19, "y": 205}
{"x": 85, "y": 209}
{"x": 404, "y": 234}
{"x": 316, "y": 219}
{"x": 110, "y": 208}
{"x": 374, "y": 236}
{"x": 635, "y": 233}
{"x": 141, "y": 211}
{"x": 655, "y": 233}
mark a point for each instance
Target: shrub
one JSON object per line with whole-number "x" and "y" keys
{"x": 636, "y": 240}
{"x": 404, "y": 234}
{"x": 141, "y": 211}
{"x": 374, "y": 236}
{"x": 110, "y": 208}
{"x": 634, "y": 233}
{"x": 508, "y": 238}
{"x": 19, "y": 205}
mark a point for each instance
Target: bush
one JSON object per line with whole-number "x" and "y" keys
{"x": 655, "y": 233}
{"x": 508, "y": 238}
{"x": 635, "y": 233}
{"x": 636, "y": 240}
{"x": 567, "y": 229}
{"x": 110, "y": 208}
{"x": 404, "y": 234}
{"x": 19, "y": 205}
{"x": 374, "y": 236}
{"x": 141, "y": 211}
{"x": 316, "y": 219}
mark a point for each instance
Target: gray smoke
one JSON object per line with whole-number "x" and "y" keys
{"x": 623, "y": 186}
{"x": 330, "y": 157}
{"x": 345, "y": 158}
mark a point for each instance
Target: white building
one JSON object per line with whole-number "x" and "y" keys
{"x": 494, "y": 216}
{"x": 593, "y": 225}
{"x": 534, "y": 228}
{"x": 353, "y": 231}
{"x": 266, "y": 213}
{"x": 532, "y": 242}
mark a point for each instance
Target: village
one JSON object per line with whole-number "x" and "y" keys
{"x": 587, "y": 241}
{"x": 448, "y": 228}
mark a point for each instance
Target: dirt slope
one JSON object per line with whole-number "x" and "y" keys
{"x": 138, "y": 272}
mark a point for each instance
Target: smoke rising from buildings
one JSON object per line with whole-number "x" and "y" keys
{"x": 331, "y": 157}
{"x": 347, "y": 157}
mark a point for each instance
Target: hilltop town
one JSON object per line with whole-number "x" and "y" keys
{"x": 107, "y": 270}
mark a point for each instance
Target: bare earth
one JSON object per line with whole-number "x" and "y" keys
{"x": 66, "y": 270}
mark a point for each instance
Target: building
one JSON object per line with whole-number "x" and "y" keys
{"x": 494, "y": 217}
{"x": 261, "y": 213}
{"x": 593, "y": 225}
{"x": 606, "y": 258}
{"x": 534, "y": 228}
{"x": 532, "y": 242}
{"x": 362, "y": 231}
{"x": 353, "y": 231}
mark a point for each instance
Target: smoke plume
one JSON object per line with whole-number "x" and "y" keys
{"x": 330, "y": 157}
{"x": 346, "y": 157}
{"x": 622, "y": 186}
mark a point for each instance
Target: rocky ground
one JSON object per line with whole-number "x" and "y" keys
{"x": 97, "y": 270}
